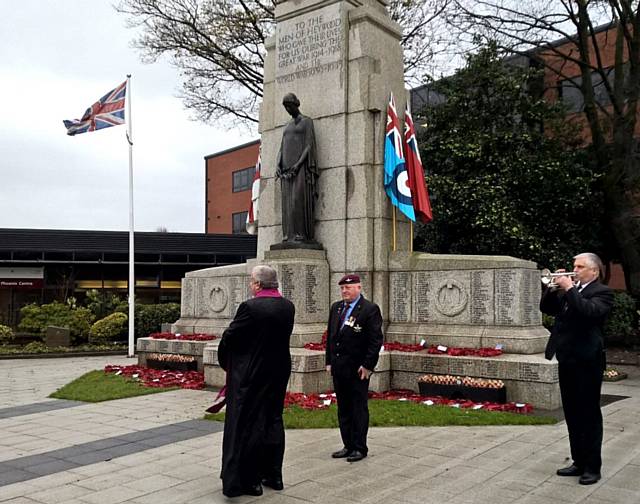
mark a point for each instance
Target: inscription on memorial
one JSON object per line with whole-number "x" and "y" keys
{"x": 288, "y": 285}
{"x": 491, "y": 369}
{"x": 311, "y": 284}
{"x": 309, "y": 45}
{"x": 162, "y": 347}
{"x": 481, "y": 297}
{"x": 400, "y": 296}
{"x": 456, "y": 366}
{"x": 531, "y": 298}
{"x": 528, "y": 372}
{"x": 505, "y": 296}
{"x": 236, "y": 294}
{"x": 422, "y": 297}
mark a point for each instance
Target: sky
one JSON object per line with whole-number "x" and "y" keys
{"x": 58, "y": 57}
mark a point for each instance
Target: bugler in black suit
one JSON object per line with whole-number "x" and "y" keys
{"x": 354, "y": 345}
{"x": 577, "y": 341}
{"x": 255, "y": 353}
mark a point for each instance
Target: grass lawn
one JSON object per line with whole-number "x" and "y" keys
{"x": 404, "y": 413}
{"x": 97, "y": 386}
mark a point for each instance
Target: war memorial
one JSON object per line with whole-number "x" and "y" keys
{"x": 341, "y": 59}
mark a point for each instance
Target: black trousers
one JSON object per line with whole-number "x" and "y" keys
{"x": 580, "y": 384}
{"x": 352, "y": 394}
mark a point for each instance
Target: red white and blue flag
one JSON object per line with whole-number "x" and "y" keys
{"x": 106, "y": 112}
{"x": 417, "y": 184}
{"x": 252, "y": 214}
{"x": 396, "y": 178}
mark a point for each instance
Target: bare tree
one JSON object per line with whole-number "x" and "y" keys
{"x": 568, "y": 37}
{"x": 218, "y": 47}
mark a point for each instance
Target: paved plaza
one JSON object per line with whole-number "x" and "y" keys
{"x": 155, "y": 449}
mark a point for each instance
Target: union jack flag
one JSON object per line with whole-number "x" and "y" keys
{"x": 106, "y": 112}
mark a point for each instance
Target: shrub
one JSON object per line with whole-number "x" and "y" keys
{"x": 6, "y": 334}
{"x": 620, "y": 325}
{"x": 35, "y": 347}
{"x": 35, "y": 319}
{"x": 102, "y": 304}
{"x": 148, "y": 318}
{"x": 110, "y": 328}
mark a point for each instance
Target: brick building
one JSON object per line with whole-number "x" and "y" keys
{"x": 229, "y": 176}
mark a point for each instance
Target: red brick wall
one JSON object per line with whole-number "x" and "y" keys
{"x": 221, "y": 201}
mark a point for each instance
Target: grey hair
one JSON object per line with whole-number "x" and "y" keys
{"x": 593, "y": 261}
{"x": 266, "y": 276}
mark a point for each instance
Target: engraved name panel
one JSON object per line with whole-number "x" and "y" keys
{"x": 400, "y": 296}
{"x": 481, "y": 297}
{"x": 506, "y": 297}
{"x": 422, "y": 297}
{"x": 311, "y": 288}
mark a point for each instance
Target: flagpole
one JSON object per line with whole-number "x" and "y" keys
{"x": 410, "y": 235}
{"x": 393, "y": 209}
{"x": 132, "y": 276}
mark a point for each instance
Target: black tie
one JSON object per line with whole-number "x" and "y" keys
{"x": 343, "y": 314}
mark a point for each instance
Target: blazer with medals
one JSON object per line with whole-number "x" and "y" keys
{"x": 359, "y": 340}
{"x": 577, "y": 334}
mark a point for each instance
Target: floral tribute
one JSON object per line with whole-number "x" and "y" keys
{"x": 391, "y": 346}
{"x": 321, "y": 401}
{"x": 158, "y": 378}
{"x": 463, "y": 351}
{"x": 318, "y": 346}
{"x": 162, "y": 357}
{"x": 467, "y": 381}
{"x": 183, "y": 337}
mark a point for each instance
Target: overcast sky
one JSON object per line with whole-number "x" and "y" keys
{"x": 57, "y": 57}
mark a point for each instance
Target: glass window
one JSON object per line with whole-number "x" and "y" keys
{"x": 242, "y": 179}
{"x": 239, "y": 222}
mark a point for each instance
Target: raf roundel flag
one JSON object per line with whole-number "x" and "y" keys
{"x": 106, "y": 112}
{"x": 396, "y": 178}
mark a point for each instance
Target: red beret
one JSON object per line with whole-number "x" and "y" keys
{"x": 349, "y": 280}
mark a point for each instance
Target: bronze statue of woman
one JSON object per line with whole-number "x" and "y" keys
{"x": 298, "y": 173}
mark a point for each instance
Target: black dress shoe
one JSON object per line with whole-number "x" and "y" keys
{"x": 275, "y": 483}
{"x": 250, "y": 490}
{"x": 355, "y": 455}
{"x": 572, "y": 470}
{"x": 589, "y": 478}
{"x": 345, "y": 452}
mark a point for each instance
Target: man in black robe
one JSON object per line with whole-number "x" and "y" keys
{"x": 577, "y": 340}
{"x": 354, "y": 338}
{"x": 254, "y": 351}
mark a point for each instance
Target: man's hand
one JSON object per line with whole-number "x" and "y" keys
{"x": 329, "y": 368}
{"x": 564, "y": 282}
{"x": 364, "y": 373}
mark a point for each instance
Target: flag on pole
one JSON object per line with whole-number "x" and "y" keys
{"x": 417, "y": 184}
{"x": 106, "y": 112}
{"x": 396, "y": 178}
{"x": 252, "y": 214}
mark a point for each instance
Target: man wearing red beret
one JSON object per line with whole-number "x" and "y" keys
{"x": 354, "y": 338}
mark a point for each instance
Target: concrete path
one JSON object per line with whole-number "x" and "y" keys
{"x": 155, "y": 450}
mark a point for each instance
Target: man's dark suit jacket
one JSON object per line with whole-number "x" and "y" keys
{"x": 577, "y": 334}
{"x": 357, "y": 344}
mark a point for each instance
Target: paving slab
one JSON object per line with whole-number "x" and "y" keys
{"x": 156, "y": 448}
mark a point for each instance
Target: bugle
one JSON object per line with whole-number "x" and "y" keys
{"x": 548, "y": 278}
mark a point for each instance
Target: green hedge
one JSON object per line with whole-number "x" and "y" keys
{"x": 621, "y": 326}
{"x": 148, "y": 318}
{"x": 110, "y": 328}
{"x": 6, "y": 334}
{"x": 34, "y": 319}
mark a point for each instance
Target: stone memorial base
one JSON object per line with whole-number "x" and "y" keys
{"x": 148, "y": 346}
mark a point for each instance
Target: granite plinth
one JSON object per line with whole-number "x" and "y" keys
{"x": 148, "y": 346}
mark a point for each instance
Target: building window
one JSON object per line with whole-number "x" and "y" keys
{"x": 239, "y": 222}
{"x": 571, "y": 94}
{"x": 242, "y": 179}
